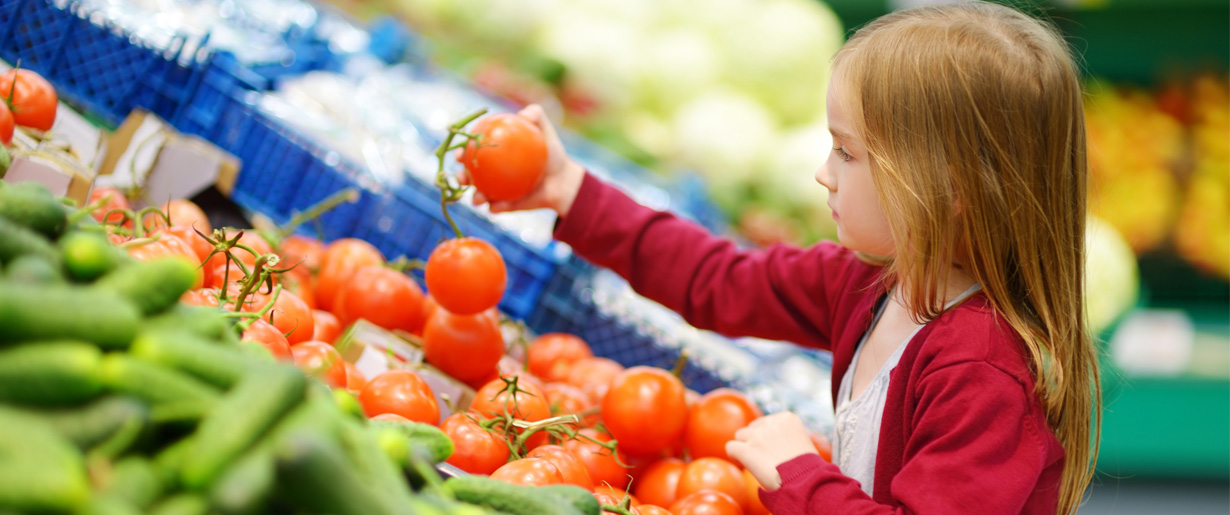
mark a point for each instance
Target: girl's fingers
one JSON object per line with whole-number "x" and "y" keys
{"x": 479, "y": 198}
{"x": 463, "y": 178}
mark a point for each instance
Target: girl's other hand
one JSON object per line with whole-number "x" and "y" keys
{"x": 768, "y": 442}
{"x": 560, "y": 181}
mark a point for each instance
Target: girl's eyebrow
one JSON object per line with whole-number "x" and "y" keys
{"x": 839, "y": 134}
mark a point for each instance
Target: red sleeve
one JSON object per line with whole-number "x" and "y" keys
{"x": 782, "y": 293}
{"x": 975, "y": 448}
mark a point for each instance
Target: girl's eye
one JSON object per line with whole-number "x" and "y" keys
{"x": 842, "y": 154}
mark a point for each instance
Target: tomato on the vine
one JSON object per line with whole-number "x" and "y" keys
{"x": 572, "y": 470}
{"x": 304, "y": 252}
{"x": 266, "y": 334}
{"x": 356, "y": 381}
{"x": 32, "y": 99}
{"x": 476, "y": 450}
{"x": 289, "y": 314}
{"x": 649, "y": 509}
{"x": 182, "y": 213}
{"x": 466, "y": 275}
{"x": 617, "y": 494}
{"x": 566, "y": 399}
{"x": 341, "y": 260}
{"x": 706, "y": 502}
{"x": 200, "y": 297}
{"x": 713, "y": 474}
{"x": 402, "y": 392}
{"x": 528, "y": 471}
{"x": 714, "y": 419}
{"x": 382, "y": 296}
{"x": 509, "y": 158}
{"x": 321, "y": 360}
{"x": 550, "y": 355}
{"x": 659, "y": 484}
{"x": 604, "y": 466}
{"x": 645, "y": 410}
{"x": 467, "y": 347}
{"x": 109, "y": 211}
{"x": 216, "y": 266}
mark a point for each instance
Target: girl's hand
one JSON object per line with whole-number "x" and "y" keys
{"x": 769, "y": 442}
{"x": 560, "y": 181}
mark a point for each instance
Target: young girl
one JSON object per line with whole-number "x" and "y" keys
{"x": 963, "y": 376}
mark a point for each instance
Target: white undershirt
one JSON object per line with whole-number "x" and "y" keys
{"x": 857, "y": 424}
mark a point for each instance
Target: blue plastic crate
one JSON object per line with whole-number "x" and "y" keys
{"x": 407, "y": 222}
{"x": 326, "y": 174}
{"x": 268, "y": 178}
{"x": 92, "y": 63}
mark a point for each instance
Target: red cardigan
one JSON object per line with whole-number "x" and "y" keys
{"x": 962, "y": 430}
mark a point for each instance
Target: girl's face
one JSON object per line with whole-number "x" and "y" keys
{"x": 861, "y": 224}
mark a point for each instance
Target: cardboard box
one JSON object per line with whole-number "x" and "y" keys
{"x": 61, "y": 159}
{"x": 147, "y": 151}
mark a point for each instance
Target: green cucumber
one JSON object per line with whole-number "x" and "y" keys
{"x": 105, "y": 505}
{"x": 251, "y": 408}
{"x": 512, "y": 499}
{"x": 314, "y": 475}
{"x": 134, "y": 480}
{"x": 438, "y": 444}
{"x": 44, "y": 373}
{"x": 209, "y": 362}
{"x": 170, "y": 460}
{"x": 155, "y": 384}
{"x": 18, "y": 240}
{"x": 93, "y": 423}
{"x": 88, "y": 256}
{"x": 205, "y": 322}
{"x": 39, "y": 469}
{"x": 371, "y": 462}
{"x": 31, "y": 204}
{"x": 581, "y": 499}
{"x": 245, "y": 486}
{"x": 182, "y": 504}
{"x": 33, "y": 269}
{"x": 30, "y": 313}
{"x": 152, "y": 286}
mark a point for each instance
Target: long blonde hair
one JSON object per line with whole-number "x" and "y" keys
{"x": 973, "y": 119}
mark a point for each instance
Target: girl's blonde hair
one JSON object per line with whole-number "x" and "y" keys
{"x": 973, "y": 119}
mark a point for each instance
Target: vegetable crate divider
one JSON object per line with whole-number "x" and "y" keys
{"x": 93, "y": 63}
{"x": 406, "y": 221}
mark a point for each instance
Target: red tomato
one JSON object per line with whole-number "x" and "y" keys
{"x": 616, "y": 494}
{"x": 550, "y": 355}
{"x": 528, "y": 471}
{"x": 604, "y": 466}
{"x": 149, "y": 250}
{"x": 649, "y": 509}
{"x": 753, "y": 506}
{"x": 356, "y": 381}
{"x": 713, "y": 474}
{"x": 200, "y": 246}
{"x": 265, "y": 334}
{"x": 302, "y": 252}
{"x": 176, "y": 246}
{"x": 467, "y": 347}
{"x": 429, "y": 307}
{"x": 341, "y": 259}
{"x": 707, "y": 502}
{"x": 200, "y": 297}
{"x": 402, "y": 392}
{"x": 528, "y": 404}
{"x": 325, "y": 326}
{"x": 466, "y": 275}
{"x": 183, "y": 213}
{"x": 6, "y": 125}
{"x": 593, "y": 376}
{"x": 476, "y": 450}
{"x": 33, "y": 99}
{"x": 382, "y": 296}
{"x": 390, "y": 417}
{"x": 115, "y": 201}
{"x": 572, "y": 470}
{"x": 714, "y": 419}
{"x": 566, "y": 399}
{"x": 606, "y": 499}
{"x": 645, "y": 410}
{"x": 321, "y": 360}
{"x": 509, "y": 158}
{"x": 659, "y": 484}
{"x": 823, "y": 447}
{"x": 289, "y": 314}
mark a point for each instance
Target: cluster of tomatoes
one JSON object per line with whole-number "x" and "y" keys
{"x": 29, "y": 101}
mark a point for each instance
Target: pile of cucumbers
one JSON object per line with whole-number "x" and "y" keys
{"x": 117, "y": 399}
